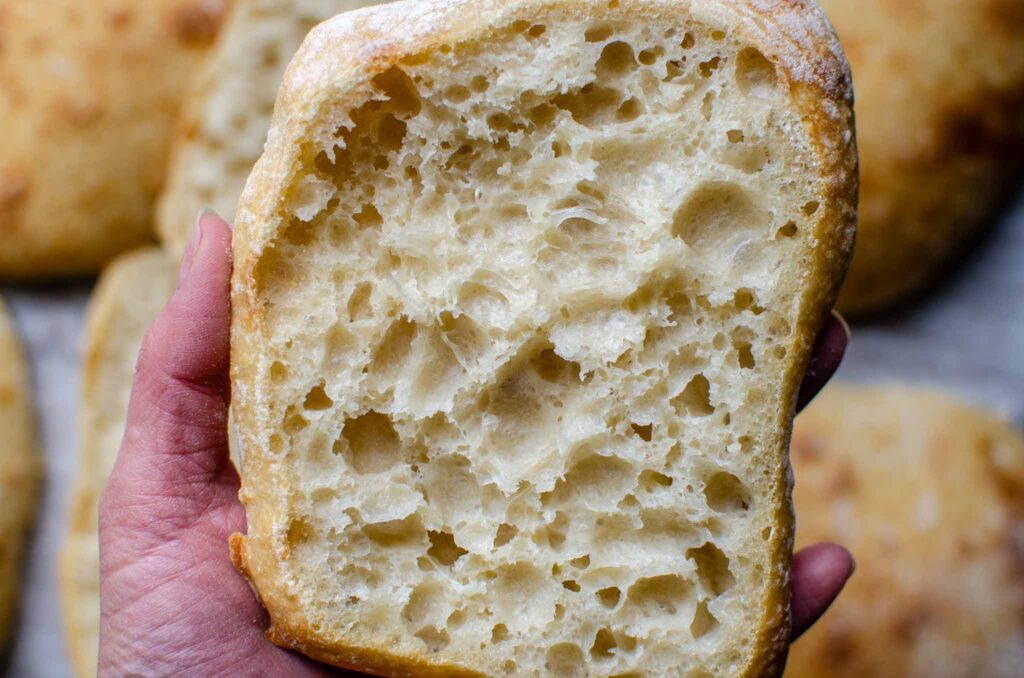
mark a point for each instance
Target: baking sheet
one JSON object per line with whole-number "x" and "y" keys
{"x": 967, "y": 337}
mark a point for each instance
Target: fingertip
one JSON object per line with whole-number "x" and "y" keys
{"x": 826, "y": 358}
{"x": 819, "y": 574}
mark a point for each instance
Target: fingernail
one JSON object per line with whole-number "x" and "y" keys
{"x": 194, "y": 241}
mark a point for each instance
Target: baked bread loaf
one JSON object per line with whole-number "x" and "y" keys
{"x": 940, "y": 127}
{"x": 91, "y": 91}
{"x": 19, "y": 472}
{"x": 928, "y": 494}
{"x": 228, "y": 113}
{"x": 131, "y": 292}
{"x": 523, "y": 296}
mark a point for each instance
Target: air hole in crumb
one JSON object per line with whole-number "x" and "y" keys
{"x": 703, "y": 621}
{"x": 499, "y": 634}
{"x": 788, "y": 230}
{"x": 278, "y": 372}
{"x": 371, "y": 444}
{"x": 652, "y": 480}
{"x": 598, "y": 33}
{"x": 566, "y": 660}
{"x": 435, "y": 640}
{"x": 688, "y": 41}
{"x": 649, "y": 56}
{"x": 707, "y": 105}
{"x": 708, "y": 67}
{"x": 755, "y": 74}
{"x": 735, "y": 136}
{"x": 401, "y": 91}
{"x": 580, "y": 563}
{"x": 300, "y": 532}
{"x": 725, "y": 492}
{"x": 695, "y": 399}
{"x": 744, "y": 299}
{"x": 559, "y": 611}
{"x": 443, "y": 548}
{"x": 317, "y": 399}
{"x": 359, "y": 306}
{"x": 630, "y": 110}
{"x": 456, "y": 94}
{"x": 571, "y": 585}
{"x": 745, "y": 355}
{"x": 712, "y": 568}
{"x": 609, "y": 597}
{"x": 604, "y": 644}
{"x": 644, "y": 432}
{"x": 479, "y": 84}
{"x": 810, "y": 208}
{"x": 536, "y": 31}
{"x": 616, "y": 58}
{"x": 505, "y": 534}
{"x": 717, "y": 217}
{"x": 368, "y": 217}
{"x": 396, "y": 533}
{"x": 662, "y": 595}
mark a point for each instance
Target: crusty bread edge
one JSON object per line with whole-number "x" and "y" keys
{"x": 341, "y": 56}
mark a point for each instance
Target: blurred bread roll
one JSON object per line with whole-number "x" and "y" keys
{"x": 19, "y": 470}
{"x": 89, "y": 98}
{"x": 940, "y": 126}
{"x": 928, "y": 495}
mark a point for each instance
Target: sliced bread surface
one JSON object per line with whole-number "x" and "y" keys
{"x": 19, "y": 470}
{"x": 132, "y": 290}
{"x": 928, "y": 494}
{"x": 227, "y": 114}
{"x": 523, "y": 296}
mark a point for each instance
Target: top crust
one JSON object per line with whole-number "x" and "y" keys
{"x": 331, "y": 76}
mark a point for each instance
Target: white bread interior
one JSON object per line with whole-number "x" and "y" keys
{"x": 523, "y": 295}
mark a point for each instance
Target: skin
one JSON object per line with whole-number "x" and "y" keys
{"x": 171, "y": 601}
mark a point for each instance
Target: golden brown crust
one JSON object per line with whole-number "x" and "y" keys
{"x": 940, "y": 90}
{"x": 19, "y": 473}
{"x": 89, "y": 92}
{"x": 128, "y": 296}
{"x": 926, "y": 493}
{"x": 337, "y": 62}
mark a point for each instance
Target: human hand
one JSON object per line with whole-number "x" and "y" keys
{"x": 171, "y": 600}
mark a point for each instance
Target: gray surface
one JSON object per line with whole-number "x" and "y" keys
{"x": 967, "y": 337}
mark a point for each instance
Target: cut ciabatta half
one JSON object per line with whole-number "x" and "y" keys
{"x": 523, "y": 296}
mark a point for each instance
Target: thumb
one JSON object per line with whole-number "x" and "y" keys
{"x": 175, "y": 444}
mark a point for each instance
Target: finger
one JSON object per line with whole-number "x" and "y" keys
{"x": 819, "y": 574}
{"x": 177, "y": 418}
{"x": 825, "y": 360}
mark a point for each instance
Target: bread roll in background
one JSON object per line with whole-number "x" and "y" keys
{"x": 19, "y": 471}
{"x": 928, "y": 495}
{"x": 940, "y": 126}
{"x": 130, "y": 293}
{"x": 227, "y": 115}
{"x": 523, "y": 296}
{"x": 89, "y": 98}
